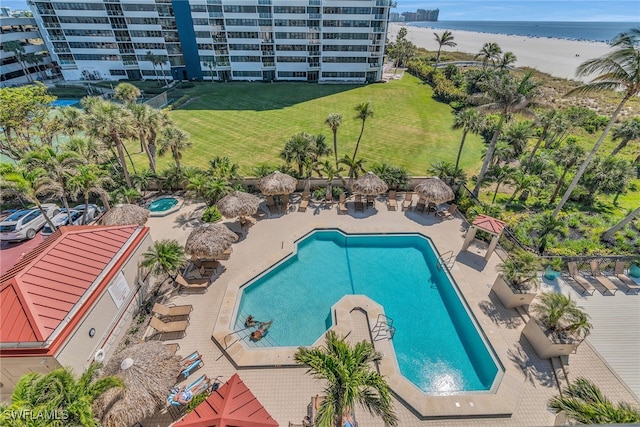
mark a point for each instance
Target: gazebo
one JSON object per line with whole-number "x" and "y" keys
{"x": 233, "y": 404}
{"x": 490, "y": 225}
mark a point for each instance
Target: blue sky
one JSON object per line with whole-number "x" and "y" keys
{"x": 529, "y": 10}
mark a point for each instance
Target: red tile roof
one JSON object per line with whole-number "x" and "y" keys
{"x": 233, "y": 404}
{"x": 39, "y": 292}
{"x": 490, "y": 224}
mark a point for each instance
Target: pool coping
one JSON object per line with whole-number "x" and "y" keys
{"x": 500, "y": 402}
{"x": 174, "y": 209}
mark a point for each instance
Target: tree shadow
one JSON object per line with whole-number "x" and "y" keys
{"x": 537, "y": 371}
{"x": 499, "y": 315}
{"x": 253, "y": 96}
{"x": 190, "y": 219}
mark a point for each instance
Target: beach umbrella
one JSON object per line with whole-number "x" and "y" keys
{"x": 148, "y": 371}
{"x": 239, "y": 204}
{"x": 369, "y": 185}
{"x": 435, "y": 190}
{"x": 209, "y": 240}
{"x": 277, "y": 183}
{"x": 126, "y": 214}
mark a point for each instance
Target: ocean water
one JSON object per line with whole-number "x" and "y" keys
{"x": 592, "y": 31}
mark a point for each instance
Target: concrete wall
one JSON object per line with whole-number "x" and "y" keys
{"x": 13, "y": 368}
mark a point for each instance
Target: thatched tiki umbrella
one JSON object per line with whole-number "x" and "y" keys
{"x": 125, "y": 215}
{"x": 277, "y": 183}
{"x": 239, "y": 204}
{"x": 148, "y": 371}
{"x": 209, "y": 241}
{"x": 435, "y": 190}
{"x": 369, "y": 185}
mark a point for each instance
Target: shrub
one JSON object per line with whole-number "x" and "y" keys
{"x": 336, "y": 192}
{"x": 180, "y": 102}
{"x": 196, "y": 401}
{"x": 211, "y": 214}
{"x": 319, "y": 193}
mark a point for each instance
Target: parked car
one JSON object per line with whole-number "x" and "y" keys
{"x": 77, "y": 216}
{"x": 25, "y": 224}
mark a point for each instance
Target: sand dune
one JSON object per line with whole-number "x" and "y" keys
{"x": 558, "y": 57}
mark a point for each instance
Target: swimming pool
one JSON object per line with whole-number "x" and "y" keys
{"x": 164, "y": 205}
{"x": 65, "y": 102}
{"x": 437, "y": 345}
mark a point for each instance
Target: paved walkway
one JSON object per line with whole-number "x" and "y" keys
{"x": 286, "y": 392}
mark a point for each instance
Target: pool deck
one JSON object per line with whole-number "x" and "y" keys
{"x": 286, "y": 391}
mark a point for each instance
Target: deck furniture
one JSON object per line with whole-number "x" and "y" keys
{"x": 408, "y": 201}
{"x": 342, "y": 204}
{"x": 168, "y": 327}
{"x": 580, "y": 279}
{"x": 192, "y": 283}
{"x": 448, "y": 214}
{"x": 595, "y": 272}
{"x": 271, "y": 205}
{"x": 304, "y": 203}
{"x": 392, "y": 203}
{"x": 171, "y": 311}
{"x": 631, "y": 284}
{"x": 358, "y": 203}
{"x": 189, "y": 364}
{"x": 422, "y": 204}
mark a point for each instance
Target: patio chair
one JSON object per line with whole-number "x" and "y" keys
{"x": 371, "y": 201}
{"x": 189, "y": 364}
{"x": 342, "y": 205}
{"x": 285, "y": 204}
{"x": 199, "y": 386}
{"x": 173, "y": 347}
{"x": 168, "y": 327}
{"x": 271, "y": 204}
{"x": 224, "y": 255}
{"x": 304, "y": 204}
{"x": 209, "y": 265}
{"x": 247, "y": 221}
{"x": 358, "y": 203}
{"x": 449, "y": 213}
{"x": 408, "y": 201}
{"x": 422, "y": 204}
{"x": 328, "y": 198}
{"x": 579, "y": 278}
{"x": 192, "y": 283}
{"x": 631, "y": 284}
{"x": 595, "y": 271}
{"x": 392, "y": 203}
{"x": 171, "y": 311}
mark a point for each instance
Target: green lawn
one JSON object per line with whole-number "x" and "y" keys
{"x": 249, "y": 122}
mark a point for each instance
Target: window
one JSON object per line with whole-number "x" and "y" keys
{"x": 142, "y": 21}
{"x": 137, "y": 7}
{"x": 292, "y": 59}
{"x": 198, "y": 8}
{"x": 92, "y": 45}
{"x": 286, "y": 74}
{"x": 342, "y": 74}
{"x": 148, "y": 33}
{"x": 291, "y": 35}
{"x": 289, "y": 9}
{"x": 244, "y": 46}
{"x": 345, "y": 36}
{"x": 117, "y": 72}
{"x": 96, "y": 57}
{"x": 203, "y": 34}
{"x": 83, "y": 20}
{"x": 89, "y": 33}
{"x": 247, "y": 74}
{"x": 344, "y": 48}
{"x": 243, "y": 58}
{"x": 149, "y": 46}
{"x": 242, "y": 35}
{"x": 344, "y": 59}
{"x": 242, "y": 22}
{"x": 78, "y": 6}
{"x": 240, "y": 9}
{"x": 291, "y": 47}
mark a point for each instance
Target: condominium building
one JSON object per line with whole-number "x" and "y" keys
{"x": 25, "y": 59}
{"x": 266, "y": 40}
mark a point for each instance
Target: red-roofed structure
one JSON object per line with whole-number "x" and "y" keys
{"x": 490, "y": 225}
{"x": 63, "y": 300}
{"x": 233, "y": 404}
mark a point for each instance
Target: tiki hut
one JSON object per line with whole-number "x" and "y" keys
{"x": 238, "y": 204}
{"x": 435, "y": 190}
{"x": 125, "y": 215}
{"x": 209, "y": 241}
{"x": 148, "y": 371}
{"x": 277, "y": 183}
{"x": 369, "y": 185}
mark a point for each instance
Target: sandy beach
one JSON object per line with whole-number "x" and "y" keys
{"x": 558, "y": 57}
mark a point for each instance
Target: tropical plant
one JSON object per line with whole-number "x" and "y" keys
{"x": 164, "y": 257}
{"x": 469, "y": 120}
{"x": 567, "y": 156}
{"x": 561, "y": 317}
{"x": 155, "y": 61}
{"x": 297, "y": 149}
{"x": 490, "y": 52}
{"x": 500, "y": 175}
{"x": 394, "y": 176}
{"x": 548, "y": 225}
{"x": 58, "y": 392}
{"x": 506, "y": 60}
{"x": 627, "y": 131}
{"x": 211, "y": 214}
{"x": 444, "y": 39}
{"x": 363, "y": 112}
{"x": 452, "y": 176}
{"x": 223, "y": 168}
{"x": 71, "y": 120}
{"x": 15, "y": 46}
{"x": 90, "y": 179}
{"x": 350, "y": 380}
{"x": 522, "y": 183}
{"x": 355, "y": 167}
{"x": 263, "y": 170}
{"x": 521, "y": 270}
{"x": 618, "y": 69}
{"x": 215, "y": 189}
{"x": 175, "y": 140}
{"x": 126, "y": 93}
{"x": 334, "y": 121}
{"x": 552, "y": 125}
{"x": 583, "y": 403}
{"x": 507, "y": 96}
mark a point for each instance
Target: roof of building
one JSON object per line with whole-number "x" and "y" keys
{"x": 490, "y": 224}
{"x": 42, "y": 289}
{"x": 233, "y": 404}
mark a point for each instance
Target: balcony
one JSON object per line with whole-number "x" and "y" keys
{"x": 264, "y": 2}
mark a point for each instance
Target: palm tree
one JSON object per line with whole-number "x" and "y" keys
{"x": 500, "y": 175}
{"x": 90, "y": 179}
{"x": 608, "y": 235}
{"x": 508, "y": 96}
{"x": 30, "y": 184}
{"x": 363, "y": 112}
{"x": 469, "y": 120}
{"x": 522, "y": 182}
{"x": 127, "y": 93}
{"x": 16, "y": 47}
{"x": 72, "y": 120}
{"x": 506, "y": 60}
{"x": 629, "y": 130}
{"x": 59, "y": 392}
{"x": 210, "y": 64}
{"x": 619, "y": 69}
{"x": 88, "y": 150}
{"x": 561, "y": 316}
{"x": 521, "y": 270}
{"x": 354, "y": 167}
{"x": 176, "y": 140}
{"x": 452, "y": 176}
{"x": 490, "y": 52}
{"x": 404, "y": 50}
{"x": 155, "y": 61}
{"x": 351, "y": 379}
{"x": 567, "y": 156}
{"x": 583, "y": 403}
{"x": 297, "y": 149}
{"x": 334, "y": 121}
{"x": 548, "y": 225}
{"x": 164, "y": 257}
{"x": 548, "y": 120}
{"x": 111, "y": 123}
{"x": 446, "y": 39}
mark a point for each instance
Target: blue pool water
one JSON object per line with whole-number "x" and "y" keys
{"x": 65, "y": 102}
{"x": 437, "y": 345}
{"x": 161, "y": 205}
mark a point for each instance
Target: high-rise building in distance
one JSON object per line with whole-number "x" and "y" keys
{"x": 304, "y": 40}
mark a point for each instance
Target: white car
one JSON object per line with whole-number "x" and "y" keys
{"x": 23, "y": 225}
{"x": 77, "y": 216}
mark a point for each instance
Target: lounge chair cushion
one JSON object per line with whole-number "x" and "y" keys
{"x": 634, "y": 271}
{"x": 551, "y": 274}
